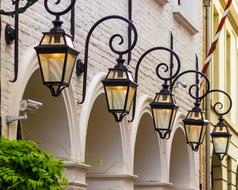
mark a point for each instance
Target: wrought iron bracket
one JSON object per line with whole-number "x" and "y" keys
{"x": 82, "y": 67}
{"x": 129, "y": 30}
{"x": 19, "y": 10}
{"x": 167, "y": 68}
{"x": 196, "y": 85}
{"x": 218, "y": 105}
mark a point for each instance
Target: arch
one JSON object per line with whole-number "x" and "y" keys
{"x": 94, "y": 90}
{"x": 147, "y": 168}
{"x": 28, "y": 67}
{"x": 104, "y": 150}
{"x": 49, "y": 126}
{"x": 181, "y": 161}
{"x": 142, "y": 108}
{"x": 103, "y": 142}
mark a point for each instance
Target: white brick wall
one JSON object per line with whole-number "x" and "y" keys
{"x": 153, "y": 22}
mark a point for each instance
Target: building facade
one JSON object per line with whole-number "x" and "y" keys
{"x": 223, "y": 74}
{"x": 100, "y": 153}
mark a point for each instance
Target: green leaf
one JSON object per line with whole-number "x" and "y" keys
{"x": 24, "y": 166}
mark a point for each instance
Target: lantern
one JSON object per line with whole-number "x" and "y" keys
{"x": 56, "y": 55}
{"x": 164, "y": 110}
{"x": 120, "y": 88}
{"x": 221, "y": 139}
{"x": 195, "y": 127}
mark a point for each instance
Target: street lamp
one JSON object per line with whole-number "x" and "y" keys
{"x": 163, "y": 107}
{"x": 119, "y": 84}
{"x": 56, "y": 55}
{"x": 164, "y": 110}
{"x": 220, "y": 135}
{"x": 221, "y": 139}
{"x": 120, "y": 87}
{"x": 195, "y": 125}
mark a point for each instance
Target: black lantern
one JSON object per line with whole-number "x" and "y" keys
{"x": 195, "y": 125}
{"x": 120, "y": 87}
{"x": 56, "y": 54}
{"x": 221, "y": 139}
{"x": 164, "y": 110}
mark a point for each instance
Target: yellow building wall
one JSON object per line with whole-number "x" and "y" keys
{"x": 224, "y": 76}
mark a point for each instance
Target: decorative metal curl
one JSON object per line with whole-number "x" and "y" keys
{"x": 19, "y": 10}
{"x": 120, "y": 53}
{"x": 119, "y": 43}
{"x": 160, "y": 64}
{"x": 57, "y": 14}
{"x": 196, "y": 97}
{"x": 218, "y": 105}
{"x": 167, "y": 68}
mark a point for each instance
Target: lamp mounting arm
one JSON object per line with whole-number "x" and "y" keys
{"x": 129, "y": 30}
{"x": 218, "y": 105}
{"x": 12, "y": 35}
{"x": 113, "y": 49}
{"x": 196, "y": 85}
{"x": 160, "y": 66}
{"x": 59, "y": 13}
{"x": 167, "y": 69}
{"x": 57, "y": 23}
{"x": 19, "y": 10}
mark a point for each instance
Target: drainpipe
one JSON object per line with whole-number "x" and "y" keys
{"x": 207, "y": 8}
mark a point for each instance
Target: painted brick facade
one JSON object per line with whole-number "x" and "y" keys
{"x": 153, "y": 22}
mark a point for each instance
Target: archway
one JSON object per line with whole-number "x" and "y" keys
{"x": 49, "y": 126}
{"x": 147, "y": 163}
{"x": 103, "y": 148}
{"x": 179, "y": 162}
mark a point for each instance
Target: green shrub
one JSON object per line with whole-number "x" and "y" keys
{"x": 24, "y": 166}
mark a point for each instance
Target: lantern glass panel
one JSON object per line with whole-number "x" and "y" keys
{"x": 194, "y": 132}
{"x": 53, "y": 39}
{"x": 117, "y": 75}
{"x": 52, "y": 66}
{"x": 130, "y": 98}
{"x": 220, "y": 144}
{"x": 116, "y": 97}
{"x": 162, "y": 117}
{"x": 69, "y": 67}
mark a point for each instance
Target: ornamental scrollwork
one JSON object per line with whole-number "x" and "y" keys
{"x": 18, "y": 7}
